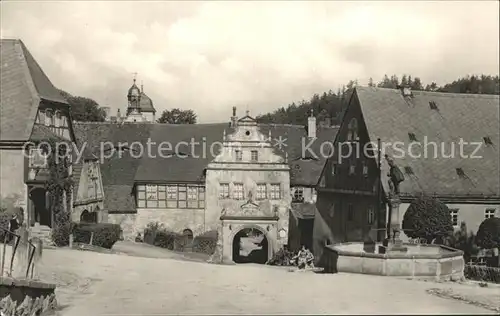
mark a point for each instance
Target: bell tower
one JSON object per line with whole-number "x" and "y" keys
{"x": 134, "y": 98}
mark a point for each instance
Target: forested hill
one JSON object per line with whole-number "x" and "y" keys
{"x": 328, "y": 106}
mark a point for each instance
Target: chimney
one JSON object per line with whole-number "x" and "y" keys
{"x": 234, "y": 118}
{"x": 311, "y": 126}
{"x": 106, "y": 110}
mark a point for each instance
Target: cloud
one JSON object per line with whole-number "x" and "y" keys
{"x": 210, "y": 56}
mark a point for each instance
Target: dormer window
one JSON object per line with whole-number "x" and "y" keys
{"x": 487, "y": 140}
{"x": 408, "y": 170}
{"x": 433, "y": 105}
{"x": 460, "y": 172}
{"x": 352, "y": 130}
{"x": 412, "y": 137}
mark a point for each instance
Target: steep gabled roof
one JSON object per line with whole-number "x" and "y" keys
{"x": 467, "y": 117}
{"x": 23, "y": 86}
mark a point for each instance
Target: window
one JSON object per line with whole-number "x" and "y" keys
{"x": 41, "y": 117}
{"x": 408, "y": 170}
{"x": 365, "y": 169}
{"x": 298, "y": 194}
{"x": 433, "y": 105}
{"x": 412, "y": 137}
{"x": 57, "y": 119}
{"x": 261, "y": 191}
{"x": 171, "y": 196}
{"x": 487, "y": 140}
{"x": 48, "y": 117}
{"x": 454, "y": 216}
{"x": 489, "y": 213}
{"x": 255, "y": 155}
{"x": 37, "y": 158}
{"x": 352, "y": 130}
{"x": 460, "y": 172}
{"x": 238, "y": 191}
{"x": 371, "y": 216}
{"x": 224, "y": 190}
{"x": 275, "y": 192}
{"x": 334, "y": 169}
{"x": 352, "y": 169}
{"x": 238, "y": 155}
{"x": 350, "y": 212}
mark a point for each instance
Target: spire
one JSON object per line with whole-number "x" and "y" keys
{"x": 248, "y": 113}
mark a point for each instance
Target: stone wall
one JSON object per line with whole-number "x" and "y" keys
{"x": 26, "y": 297}
{"x": 176, "y": 220}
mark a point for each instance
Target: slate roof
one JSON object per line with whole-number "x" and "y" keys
{"x": 146, "y": 104}
{"x": 120, "y": 174}
{"x": 390, "y": 117}
{"x": 304, "y": 210}
{"x": 23, "y": 86}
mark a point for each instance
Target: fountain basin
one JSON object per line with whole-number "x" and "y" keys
{"x": 420, "y": 261}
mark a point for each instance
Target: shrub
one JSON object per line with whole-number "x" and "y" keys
{"x": 4, "y": 224}
{"x": 482, "y": 273}
{"x": 105, "y": 234}
{"x": 464, "y": 241}
{"x": 206, "y": 242}
{"x": 427, "y": 218}
{"x": 488, "y": 234}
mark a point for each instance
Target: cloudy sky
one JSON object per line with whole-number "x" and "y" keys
{"x": 210, "y": 56}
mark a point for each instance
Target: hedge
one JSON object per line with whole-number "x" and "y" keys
{"x": 482, "y": 273}
{"x": 105, "y": 235}
{"x": 206, "y": 242}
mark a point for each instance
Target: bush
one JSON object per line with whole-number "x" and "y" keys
{"x": 464, "y": 241}
{"x": 4, "y": 224}
{"x": 488, "y": 234}
{"x": 61, "y": 229}
{"x": 427, "y": 218}
{"x": 105, "y": 235}
{"x": 482, "y": 273}
{"x": 206, "y": 242}
{"x": 167, "y": 239}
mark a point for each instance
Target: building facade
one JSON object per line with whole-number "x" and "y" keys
{"x": 422, "y": 132}
{"x": 32, "y": 112}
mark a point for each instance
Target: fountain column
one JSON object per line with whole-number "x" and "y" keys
{"x": 395, "y": 244}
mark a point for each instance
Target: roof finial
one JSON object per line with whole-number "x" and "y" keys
{"x": 312, "y": 112}
{"x": 135, "y": 76}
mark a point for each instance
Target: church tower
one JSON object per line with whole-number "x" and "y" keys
{"x": 134, "y": 99}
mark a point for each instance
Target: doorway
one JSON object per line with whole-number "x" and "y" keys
{"x": 41, "y": 212}
{"x": 250, "y": 245}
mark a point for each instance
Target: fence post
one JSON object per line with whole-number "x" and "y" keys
{"x": 91, "y": 237}
{"x": 21, "y": 256}
{"x": 71, "y": 241}
{"x": 3, "y": 251}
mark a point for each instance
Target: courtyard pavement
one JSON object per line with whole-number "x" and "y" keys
{"x": 112, "y": 284}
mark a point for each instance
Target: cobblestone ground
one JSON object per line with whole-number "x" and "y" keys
{"x": 111, "y": 284}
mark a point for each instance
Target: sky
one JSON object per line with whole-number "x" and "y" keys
{"x": 257, "y": 56}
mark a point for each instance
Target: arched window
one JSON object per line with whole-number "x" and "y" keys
{"x": 352, "y": 130}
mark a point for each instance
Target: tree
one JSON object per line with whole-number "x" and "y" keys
{"x": 427, "y": 218}
{"x": 84, "y": 109}
{"x": 488, "y": 234}
{"x": 465, "y": 241}
{"x": 370, "y": 82}
{"x": 177, "y": 116}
